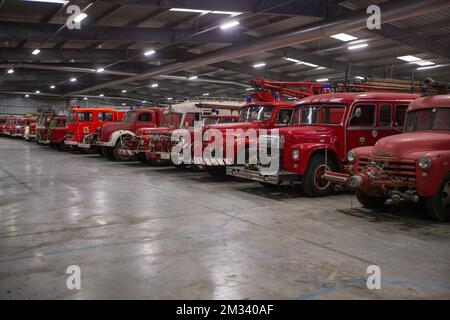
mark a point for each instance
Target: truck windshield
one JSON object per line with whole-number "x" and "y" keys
{"x": 53, "y": 123}
{"x": 256, "y": 113}
{"x": 209, "y": 120}
{"x": 428, "y": 119}
{"x": 129, "y": 116}
{"x": 171, "y": 119}
{"x": 71, "y": 117}
{"x": 318, "y": 114}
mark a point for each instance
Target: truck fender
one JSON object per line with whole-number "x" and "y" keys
{"x": 307, "y": 149}
{"x": 117, "y": 134}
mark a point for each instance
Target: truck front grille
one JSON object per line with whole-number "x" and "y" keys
{"x": 405, "y": 169}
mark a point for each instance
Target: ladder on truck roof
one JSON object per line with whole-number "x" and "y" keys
{"x": 265, "y": 90}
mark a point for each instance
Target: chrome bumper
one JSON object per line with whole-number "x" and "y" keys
{"x": 241, "y": 172}
{"x": 71, "y": 143}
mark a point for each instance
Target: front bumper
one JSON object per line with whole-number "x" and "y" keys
{"x": 338, "y": 178}
{"x": 44, "y": 141}
{"x": 158, "y": 155}
{"x": 71, "y": 143}
{"x": 84, "y": 145}
{"x": 130, "y": 153}
{"x": 276, "y": 179}
{"x": 212, "y": 162}
{"x": 105, "y": 144}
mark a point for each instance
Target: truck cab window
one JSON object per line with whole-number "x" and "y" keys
{"x": 400, "y": 114}
{"x": 145, "y": 117}
{"x": 367, "y": 118}
{"x": 105, "y": 116}
{"x": 85, "y": 116}
{"x": 385, "y": 115}
{"x": 284, "y": 117}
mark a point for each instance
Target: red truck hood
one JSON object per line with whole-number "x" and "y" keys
{"x": 306, "y": 134}
{"x": 237, "y": 125}
{"x": 161, "y": 130}
{"x": 108, "y": 129}
{"x": 407, "y": 143}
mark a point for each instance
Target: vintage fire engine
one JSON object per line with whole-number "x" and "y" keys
{"x": 265, "y": 109}
{"x": 411, "y": 166}
{"x": 84, "y": 121}
{"x": 10, "y": 126}
{"x": 3, "y": 120}
{"x": 42, "y": 126}
{"x": 110, "y": 137}
{"x": 56, "y": 132}
{"x": 21, "y": 126}
{"x": 139, "y": 144}
{"x": 156, "y": 144}
{"x": 324, "y": 128}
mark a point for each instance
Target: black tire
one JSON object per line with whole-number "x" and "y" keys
{"x": 117, "y": 155}
{"x": 108, "y": 153}
{"x": 216, "y": 171}
{"x": 313, "y": 184}
{"x": 61, "y": 146}
{"x": 438, "y": 205}
{"x": 99, "y": 150}
{"x": 369, "y": 202}
{"x": 143, "y": 159}
{"x": 269, "y": 185}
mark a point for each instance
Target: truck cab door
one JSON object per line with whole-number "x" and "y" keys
{"x": 146, "y": 120}
{"x": 361, "y": 126}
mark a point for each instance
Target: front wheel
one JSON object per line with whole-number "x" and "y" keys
{"x": 369, "y": 202}
{"x": 438, "y": 205}
{"x": 108, "y": 153}
{"x": 313, "y": 182}
{"x": 143, "y": 159}
{"x": 217, "y": 171}
{"x": 117, "y": 155}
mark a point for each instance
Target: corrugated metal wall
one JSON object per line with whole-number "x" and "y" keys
{"x": 20, "y": 105}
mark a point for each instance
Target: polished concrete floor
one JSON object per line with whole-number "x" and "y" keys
{"x": 140, "y": 232}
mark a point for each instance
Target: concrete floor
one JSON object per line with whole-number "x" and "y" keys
{"x": 158, "y": 233}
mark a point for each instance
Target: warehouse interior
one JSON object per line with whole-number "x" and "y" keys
{"x": 157, "y": 231}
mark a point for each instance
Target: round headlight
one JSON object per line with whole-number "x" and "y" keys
{"x": 295, "y": 154}
{"x": 351, "y": 156}
{"x": 424, "y": 162}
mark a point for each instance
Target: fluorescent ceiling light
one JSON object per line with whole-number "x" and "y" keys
{"x": 49, "y": 1}
{"x": 154, "y": 85}
{"x": 322, "y": 80}
{"x": 229, "y": 24}
{"x": 80, "y": 17}
{"x": 84, "y": 98}
{"x": 100, "y": 70}
{"x": 37, "y": 91}
{"x": 409, "y": 58}
{"x": 144, "y": 101}
{"x": 249, "y": 89}
{"x": 169, "y": 98}
{"x": 11, "y": 71}
{"x": 205, "y": 94}
{"x": 123, "y": 91}
{"x": 431, "y": 67}
{"x": 27, "y": 96}
{"x": 424, "y": 63}
{"x": 102, "y": 95}
{"x": 52, "y": 87}
{"x": 358, "y": 46}
{"x": 193, "y": 78}
{"x": 73, "y": 79}
{"x": 149, "y": 52}
{"x": 124, "y": 104}
{"x": 292, "y": 60}
{"x": 359, "y": 77}
{"x": 309, "y": 64}
{"x": 36, "y": 52}
{"x": 190, "y": 10}
{"x": 320, "y": 68}
{"x": 231, "y": 13}
{"x": 343, "y": 37}
{"x": 259, "y": 65}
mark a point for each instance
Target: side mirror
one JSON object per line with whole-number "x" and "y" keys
{"x": 358, "y": 113}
